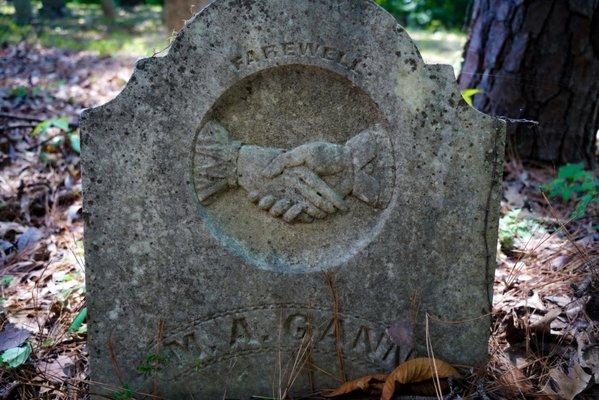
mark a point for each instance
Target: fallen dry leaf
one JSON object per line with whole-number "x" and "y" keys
{"x": 414, "y": 371}
{"x": 58, "y": 369}
{"x": 12, "y": 336}
{"x": 567, "y": 386}
{"x": 364, "y": 383}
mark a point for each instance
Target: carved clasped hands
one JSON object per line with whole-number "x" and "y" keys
{"x": 303, "y": 184}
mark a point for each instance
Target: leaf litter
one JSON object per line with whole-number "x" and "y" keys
{"x": 42, "y": 323}
{"x": 545, "y": 332}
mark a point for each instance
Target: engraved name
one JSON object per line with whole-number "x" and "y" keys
{"x": 301, "y": 49}
{"x": 224, "y": 338}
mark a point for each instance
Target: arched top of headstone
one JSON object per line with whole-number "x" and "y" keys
{"x": 228, "y": 40}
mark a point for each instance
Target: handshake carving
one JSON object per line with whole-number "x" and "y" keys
{"x": 303, "y": 184}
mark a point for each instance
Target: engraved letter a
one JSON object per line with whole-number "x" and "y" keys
{"x": 240, "y": 332}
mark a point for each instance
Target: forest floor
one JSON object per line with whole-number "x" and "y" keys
{"x": 545, "y": 311}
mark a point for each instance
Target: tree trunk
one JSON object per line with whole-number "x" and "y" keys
{"x": 538, "y": 60}
{"x": 54, "y": 9}
{"x": 176, "y": 12}
{"x": 23, "y": 11}
{"x": 109, "y": 9}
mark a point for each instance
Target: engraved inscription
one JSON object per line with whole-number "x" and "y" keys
{"x": 187, "y": 343}
{"x": 224, "y": 337}
{"x": 303, "y": 184}
{"x": 240, "y": 332}
{"x": 301, "y": 49}
{"x": 296, "y": 325}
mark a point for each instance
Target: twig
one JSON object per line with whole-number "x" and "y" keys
{"x": 113, "y": 388}
{"x": 159, "y": 336}
{"x": 298, "y": 364}
{"x": 21, "y": 117}
{"x": 336, "y": 325}
{"x": 563, "y": 226}
{"x": 309, "y": 360}
{"x": 431, "y": 356}
{"x": 19, "y": 126}
{"x": 517, "y": 120}
{"x": 114, "y": 360}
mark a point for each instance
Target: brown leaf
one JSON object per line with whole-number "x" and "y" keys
{"x": 363, "y": 384}
{"x": 567, "y": 386}
{"x": 56, "y": 370}
{"x": 416, "y": 370}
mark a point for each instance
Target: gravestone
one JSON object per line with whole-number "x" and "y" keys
{"x": 283, "y": 200}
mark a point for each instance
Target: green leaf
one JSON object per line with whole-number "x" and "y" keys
{"x": 125, "y": 394}
{"x": 42, "y": 127}
{"x": 55, "y": 144}
{"x": 570, "y": 170}
{"x": 468, "y": 94}
{"x": 75, "y": 142}
{"x": 82, "y": 330}
{"x": 513, "y": 227}
{"x": 16, "y": 356}
{"x": 78, "y": 321}
{"x": 567, "y": 193}
{"x": 6, "y": 280}
{"x": 60, "y": 123}
{"x": 576, "y": 184}
{"x": 150, "y": 364}
{"x": 18, "y": 91}
{"x": 581, "y": 207}
{"x": 589, "y": 186}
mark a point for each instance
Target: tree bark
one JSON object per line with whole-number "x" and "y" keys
{"x": 176, "y": 12}
{"x": 54, "y": 9}
{"x": 108, "y": 9}
{"x": 23, "y": 11}
{"x": 538, "y": 60}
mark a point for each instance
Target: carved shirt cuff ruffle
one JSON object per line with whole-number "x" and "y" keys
{"x": 373, "y": 166}
{"x": 215, "y": 165}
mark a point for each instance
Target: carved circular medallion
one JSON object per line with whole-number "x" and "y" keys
{"x": 293, "y": 169}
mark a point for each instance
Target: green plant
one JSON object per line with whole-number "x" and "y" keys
{"x": 574, "y": 183}
{"x": 6, "y": 280}
{"x": 65, "y": 139}
{"x": 430, "y": 14}
{"x": 137, "y": 31}
{"x": 512, "y": 227}
{"x": 16, "y": 356}
{"x": 61, "y": 123}
{"x": 126, "y": 393}
{"x": 76, "y": 326}
{"x": 150, "y": 364}
{"x": 468, "y": 94}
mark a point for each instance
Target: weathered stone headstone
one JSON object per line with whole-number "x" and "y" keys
{"x": 279, "y": 199}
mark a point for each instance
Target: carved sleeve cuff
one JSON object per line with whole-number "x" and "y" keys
{"x": 215, "y": 163}
{"x": 373, "y": 166}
